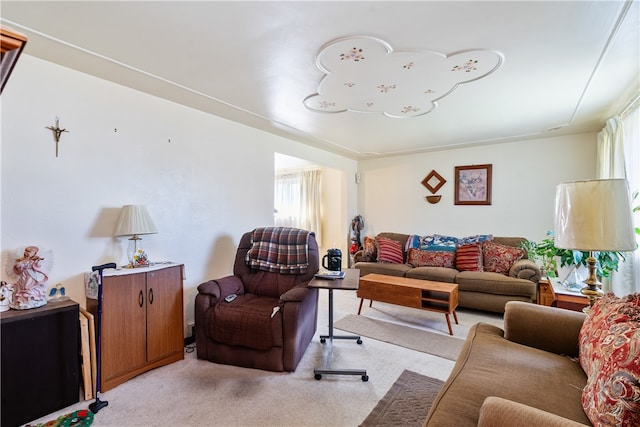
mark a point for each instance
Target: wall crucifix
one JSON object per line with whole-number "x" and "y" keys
{"x": 57, "y": 132}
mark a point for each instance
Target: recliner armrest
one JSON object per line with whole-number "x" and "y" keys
{"x": 546, "y": 328}
{"x": 525, "y": 269}
{"x": 297, "y": 294}
{"x": 220, "y": 288}
{"x": 499, "y": 412}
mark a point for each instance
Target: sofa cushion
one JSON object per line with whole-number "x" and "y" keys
{"x": 610, "y": 355}
{"x": 389, "y": 250}
{"x": 418, "y": 258}
{"x": 469, "y": 257}
{"x": 437, "y": 274}
{"x": 495, "y": 283}
{"x": 499, "y": 258}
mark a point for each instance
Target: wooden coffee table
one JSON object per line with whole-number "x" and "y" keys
{"x": 415, "y": 293}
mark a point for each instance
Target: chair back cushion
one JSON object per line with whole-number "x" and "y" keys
{"x": 266, "y": 283}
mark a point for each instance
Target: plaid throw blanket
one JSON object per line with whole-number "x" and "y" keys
{"x": 279, "y": 250}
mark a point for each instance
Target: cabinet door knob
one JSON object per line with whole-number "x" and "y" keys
{"x": 141, "y": 299}
{"x": 151, "y": 296}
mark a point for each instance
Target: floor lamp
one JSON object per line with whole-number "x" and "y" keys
{"x": 594, "y": 216}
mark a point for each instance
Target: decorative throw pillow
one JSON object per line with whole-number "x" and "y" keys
{"x": 369, "y": 250}
{"x": 418, "y": 258}
{"x": 389, "y": 250}
{"x": 436, "y": 242}
{"x": 469, "y": 257}
{"x": 610, "y": 356}
{"x": 499, "y": 258}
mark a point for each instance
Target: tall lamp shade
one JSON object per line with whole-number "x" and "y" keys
{"x": 592, "y": 216}
{"x": 134, "y": 220}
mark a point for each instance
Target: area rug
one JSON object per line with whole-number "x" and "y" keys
{"x": 407, "y": 402}
{"x": 416, "y": 339}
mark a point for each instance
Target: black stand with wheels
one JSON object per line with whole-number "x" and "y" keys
{"x": 350, "y": 282}
{"x": 99, "y": 404}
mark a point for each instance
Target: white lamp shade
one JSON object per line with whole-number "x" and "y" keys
{"x": 594, "y": 216}
{"x": 134, "y": 220}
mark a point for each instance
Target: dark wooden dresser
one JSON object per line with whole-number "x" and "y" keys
{"x": 40, "y": 362}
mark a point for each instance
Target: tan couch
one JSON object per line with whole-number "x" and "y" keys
{"x": 524, "y": 375}
{"x": 477, "y": 290}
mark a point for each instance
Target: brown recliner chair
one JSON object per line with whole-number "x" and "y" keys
{"x": 271, "y": 321}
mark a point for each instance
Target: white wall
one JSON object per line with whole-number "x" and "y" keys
{"x": 205, "y": 180}
{"x": 391, "y": 196}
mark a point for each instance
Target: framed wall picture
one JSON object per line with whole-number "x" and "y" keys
{"x": 473, "y": 185}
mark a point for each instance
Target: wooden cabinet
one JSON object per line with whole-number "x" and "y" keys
{"x": 560, "y": 297}
{"x": 545, "y": 293}
{"x": 40, "y": 367}
{"x": 142, "y": 321}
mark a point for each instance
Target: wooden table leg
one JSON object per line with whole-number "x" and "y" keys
{"x": 455, "y": 317}
{"x": 360, "y": 308}
{"x": 449, "y": 323}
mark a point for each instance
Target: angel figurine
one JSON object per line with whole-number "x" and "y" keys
{"x": 6, "y": 294}
{"x": 31, "y": 270}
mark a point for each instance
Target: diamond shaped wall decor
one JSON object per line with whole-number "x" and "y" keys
{"x": 433, "y": 181}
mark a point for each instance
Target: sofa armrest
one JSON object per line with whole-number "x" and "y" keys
{"x": 525, "y": 269}
{"x": 498, "y": 412}
{"x": 358, "y": 256}
{"x": 546, "y": 328}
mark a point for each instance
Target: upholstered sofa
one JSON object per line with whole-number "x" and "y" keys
{"x": 482, "y": 290}
{"x": 548, "y": 367}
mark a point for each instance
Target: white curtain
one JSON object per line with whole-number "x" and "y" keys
{"x": 619, "y": 157}
{"x": 298, "y": 201}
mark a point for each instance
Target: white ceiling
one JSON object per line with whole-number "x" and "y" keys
{"x": 544, "y": 67}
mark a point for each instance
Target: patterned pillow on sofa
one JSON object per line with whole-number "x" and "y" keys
{"x": 418, "y": 258}
{"x": 499, "y": 258}
{"x": 369, "y": 251}
{"x": 609, "y": 353}
{"x": 389, "y": 250}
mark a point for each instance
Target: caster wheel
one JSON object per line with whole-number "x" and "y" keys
{"x": 359, "y": 341}
{"x": 319, "y": 376}
{"x": 322, "y": 341}
{"x": 365, "y": 378}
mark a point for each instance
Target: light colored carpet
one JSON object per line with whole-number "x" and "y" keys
{"x": 416, "y": 339}
{"x": 194, "y": 392}
{"x": 407, "y": 402}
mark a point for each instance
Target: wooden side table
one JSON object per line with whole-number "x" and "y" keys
{"x": 545, "y": 293}
{"x": 556, "y": 296}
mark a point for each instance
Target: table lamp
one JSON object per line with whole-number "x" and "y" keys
{"x": 593, "y": 216}
{"x": 135, "y": 220}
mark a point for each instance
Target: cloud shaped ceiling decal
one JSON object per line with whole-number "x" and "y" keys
{"x": 364, "y": 74}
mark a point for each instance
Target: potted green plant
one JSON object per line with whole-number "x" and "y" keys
{"x": 546, "y": 252}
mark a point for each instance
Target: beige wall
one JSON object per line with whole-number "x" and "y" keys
{"x": 392, "y": 198}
